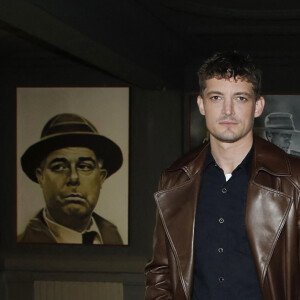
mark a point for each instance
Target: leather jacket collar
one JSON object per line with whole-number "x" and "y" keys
{"x": 193, "y": 163}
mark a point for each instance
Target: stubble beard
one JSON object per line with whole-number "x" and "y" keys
{"x": 229, "y": 136}
{"x": 226, "y": 138}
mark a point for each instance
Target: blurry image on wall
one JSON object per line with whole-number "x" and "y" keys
{"x": 280, "y": 130}
{"x": 72, "y": 169}
{"x": 279, "y": 123}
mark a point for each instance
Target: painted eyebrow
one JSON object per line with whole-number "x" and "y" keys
{"x": 64, "y": 160}
{"x": 57, "y": 160}
{"x": 82, "y": 159}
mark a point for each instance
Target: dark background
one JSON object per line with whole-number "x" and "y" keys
{"x": 155, "y": 48}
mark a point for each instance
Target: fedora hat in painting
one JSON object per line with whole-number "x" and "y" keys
{"x": 280, "y": 122}
{"x": 71, "y": 130}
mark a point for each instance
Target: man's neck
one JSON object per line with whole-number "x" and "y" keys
{"x": 229, "y": 155}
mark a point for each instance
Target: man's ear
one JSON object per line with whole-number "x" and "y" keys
{"x": 39, "y": 175}
{"x": 201, "y": 105}
{"x": 103, "y": 175}
{"x": 259, "y": 106}
{"x": 269, "y": 136}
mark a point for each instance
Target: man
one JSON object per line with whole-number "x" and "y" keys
{"x": 228, "y": 216}
{"x": 71, "y": 162}
{"x": 279, "y": 129}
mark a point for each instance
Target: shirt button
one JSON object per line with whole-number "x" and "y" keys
{"x": 220, "y": 250}
{"x": 224, "y": 190}
{"x": 221, "y": 279}
{"x": 221, "y": 220}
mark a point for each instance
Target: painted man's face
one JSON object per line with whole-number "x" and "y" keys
{"x": 282, "y": 140}
{"x": 71, "y": 179}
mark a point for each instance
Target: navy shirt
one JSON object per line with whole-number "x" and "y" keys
{"x": 223, "y": 264}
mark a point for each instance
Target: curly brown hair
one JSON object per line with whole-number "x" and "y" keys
{"x": 230, "y": 64}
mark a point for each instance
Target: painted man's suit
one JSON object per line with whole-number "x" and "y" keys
{"x": 37, "y": 231}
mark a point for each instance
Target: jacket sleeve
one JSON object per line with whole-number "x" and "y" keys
{"x": 157, "y": 271}
{"x": 158, "y": 279}
{"x": 298, "y": 220}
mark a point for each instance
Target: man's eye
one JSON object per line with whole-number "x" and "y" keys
{"x": 215, "y": 98}
{"x": 59, "y": 168}
{"x": 86, "y": 167}
{"x": 241, "y": 98}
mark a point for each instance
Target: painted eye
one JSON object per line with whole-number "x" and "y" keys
{"x": 59, "y": 167}
{"x": 86, "y": 166}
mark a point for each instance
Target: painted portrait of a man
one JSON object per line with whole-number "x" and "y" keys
{"x": 70, "y": 163}
{"x": 280, "y": 130}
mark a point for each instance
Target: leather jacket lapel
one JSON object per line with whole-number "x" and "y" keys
{"x": 266, "y": 214}
{"x": 267, "y": 207}
{"x": 177, "y": 208}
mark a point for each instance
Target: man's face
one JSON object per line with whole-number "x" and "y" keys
{"x": 282, "y": 140}
{"x": 229, "y": 107}
{"x": 71, "y": 179}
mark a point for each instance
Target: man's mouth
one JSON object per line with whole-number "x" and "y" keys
{"x": 75, "y": 198}
{"x": 228, "y": 123}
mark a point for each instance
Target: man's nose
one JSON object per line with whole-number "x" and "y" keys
{"x": 73, "y": 177}
{"x": 228, "y": 108}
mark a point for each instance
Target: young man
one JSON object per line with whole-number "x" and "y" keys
{"x": 228, "y": 218}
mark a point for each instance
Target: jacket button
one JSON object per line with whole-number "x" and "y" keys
{"x": 221, "y": 279}
{"x": 224, "y": 190}
{"x": 221, "y": 220}
{"x": 220, "y": 250}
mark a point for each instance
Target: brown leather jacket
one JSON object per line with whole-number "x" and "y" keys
{"x": 272, "y": 222}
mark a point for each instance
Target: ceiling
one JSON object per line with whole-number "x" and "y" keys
{"x": 248, "y": 25}
{"x": 150, "y": 43}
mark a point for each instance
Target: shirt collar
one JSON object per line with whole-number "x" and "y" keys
{"x": 66, "y": 235}
{"x": 209, "y": 159}
{"x": 246, "y": 163}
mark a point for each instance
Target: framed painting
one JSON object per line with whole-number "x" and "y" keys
{"x": 72, "y": 165}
